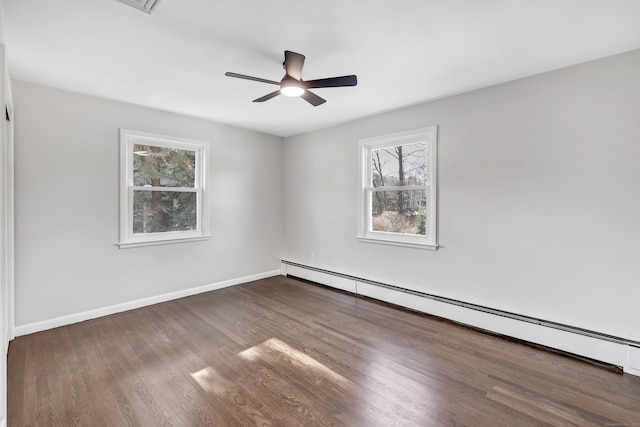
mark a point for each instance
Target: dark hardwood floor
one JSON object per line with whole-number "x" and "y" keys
{"x": 281, "y": 352}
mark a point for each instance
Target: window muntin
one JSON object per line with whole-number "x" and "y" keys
{"x": 398, "y": 191}
{"x": 162, "y": 195}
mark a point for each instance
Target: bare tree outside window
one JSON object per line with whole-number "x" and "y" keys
{"x": 396, "y": 207}
{"x": 398, "y": 189}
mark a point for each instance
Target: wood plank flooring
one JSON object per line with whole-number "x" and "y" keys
{"x": 282, "y": 352}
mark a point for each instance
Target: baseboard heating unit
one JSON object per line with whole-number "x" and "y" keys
{"x": 608, "y": 349}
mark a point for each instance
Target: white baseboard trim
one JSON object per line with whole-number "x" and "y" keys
{"x": 614, "y": 353}
{"x": 44, "y": 325}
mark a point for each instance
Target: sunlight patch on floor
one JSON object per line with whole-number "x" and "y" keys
{"x": 210, "y": 381}
{"x": 251, "y": 354}
{"x": 295, "y": 357}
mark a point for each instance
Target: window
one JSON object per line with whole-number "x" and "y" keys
{"x": 397, "y": 202}
{"x": 162, "y": 194}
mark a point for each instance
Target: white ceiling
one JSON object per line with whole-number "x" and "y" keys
{"x": 403, "y": 51}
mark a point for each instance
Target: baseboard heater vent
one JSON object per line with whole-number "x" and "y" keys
{"x": 595, "y": 345}
{"x": 147, "y": 6}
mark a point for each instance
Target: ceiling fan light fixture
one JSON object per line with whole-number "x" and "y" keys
{"x": 291, "y": 90}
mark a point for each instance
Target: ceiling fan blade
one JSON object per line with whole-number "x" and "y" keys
{"x": 268, "y": 96}
{"x": 255, "y": 79}
{"x": 293, "y": 63}
{"x": 332, "y": 82}
{"x": 312, "y": 98}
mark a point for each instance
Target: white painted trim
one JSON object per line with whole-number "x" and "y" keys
{"x": 162, "y": 242}
{"x": 44, "y": 325}
{"x": 392, "y": 242}
{"x": 9, "y": 225}
{"x": 3, "y": 423}
{"x": 618, "y": 354}
{"x": 6, "y": 226}
{"x": 428, "y": 135}
{"x": 128, "y": 138}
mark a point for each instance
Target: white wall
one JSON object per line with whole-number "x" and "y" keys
{"x": 539, "y": 198}
{"x": 2, "y": 34}
{"x": 539, "y": 185}
{"x": 67, "y": 260}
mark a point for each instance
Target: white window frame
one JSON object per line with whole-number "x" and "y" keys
{"x": 428, "y": 135}
{"x": 128, "y": 138}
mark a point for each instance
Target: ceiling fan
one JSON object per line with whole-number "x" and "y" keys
{"x": 292, "y": 83}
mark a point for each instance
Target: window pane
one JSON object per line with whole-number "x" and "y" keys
{"x": 400, "y": 165}
{"x": 399, "y": 211}
{"x": 163, "y": 167}
{"x": 160, "y": 211}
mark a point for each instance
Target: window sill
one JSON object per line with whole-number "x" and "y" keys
{"x": 127, "y": 245}
{"x": 427, "y": 246}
